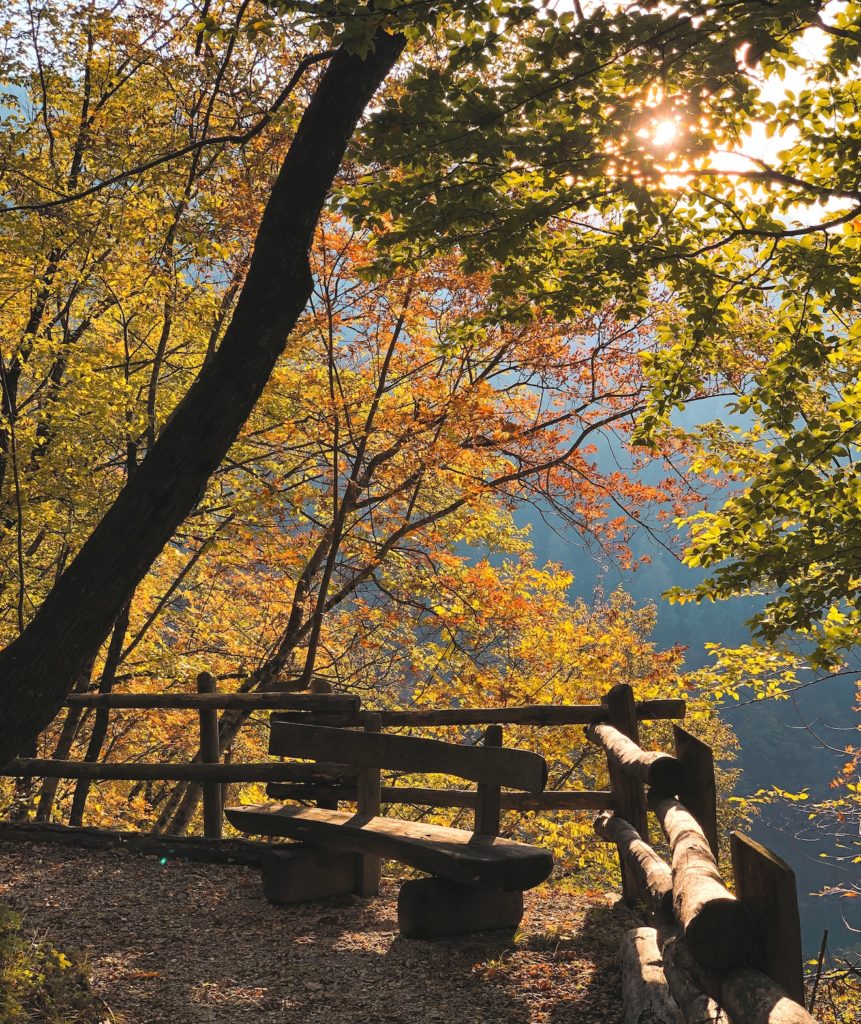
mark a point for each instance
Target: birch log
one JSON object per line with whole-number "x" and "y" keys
{"x": 653, "y": 877}
{"x": 717, "y": 927}
{"x": 645, "y": 994}
{"x": 661, "y": 772}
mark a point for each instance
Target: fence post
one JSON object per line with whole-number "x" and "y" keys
{"x": 368, "y": 799}
{"x": 210, "y": 753}
{"x": 699, "y": 792}
{"x": 487, "y": 806}
{"x": 766, "y": 885}
{"x": 629, "y": 798}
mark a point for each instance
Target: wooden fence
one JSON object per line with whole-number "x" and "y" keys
{"x": 714, "y": 950}
{"x": 709, "y": 955}
{"x": 343, "y": 710}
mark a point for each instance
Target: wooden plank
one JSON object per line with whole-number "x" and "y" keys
{"x": 653, "y": 877}
{"x": 717, "y": 926}
{"x": 661, "y": 772}
{"x": 448, "y": 852}
{"x": 549, "y": 800}
{"x": 663, "y": 709}
{"x": 432, "y": 908}
{"x": 487, "y": 803}
{"x": 529, "y": 714}
{"x": 698, "y": 790}
{"x": 210, "y": 753}
{"x": 323, "y": 773}
{"x": 368, "y": 804}
{"x": 628, "y": 795}
{"x": 518, "y": 769}
{"x": 645, "y": 993}
{"x": 766, "y": 885}
{"x": 343, "y": 702}
{"x": 262, "y": 771}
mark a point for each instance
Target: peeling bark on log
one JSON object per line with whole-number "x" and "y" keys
{"x": 717, "y": 927}
{"x": 753, "y": 998}
{"x": 645, "y": 993}
{"x": 745, "y": 996}
{"x": 654, "y": 877}
{"x": 661, "y": 772}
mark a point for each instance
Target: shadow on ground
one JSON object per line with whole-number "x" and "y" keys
{"x": 181, "y": 943}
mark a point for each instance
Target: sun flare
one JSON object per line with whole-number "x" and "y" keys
{"x": 663, "y": 133}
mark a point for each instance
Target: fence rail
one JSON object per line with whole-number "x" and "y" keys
{"x": 740, "y": 951}
{"x": 291, "y": 780}
{"x": 725, "y": 955}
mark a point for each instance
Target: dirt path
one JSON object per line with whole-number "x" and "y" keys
{"x": 181, "y": 943}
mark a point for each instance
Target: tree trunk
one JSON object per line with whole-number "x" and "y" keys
{"x": 100, "y": 723}
{"x": 64, "y": 745}
{"x": 187, "y": 799}
{"x": 38, "y": 668}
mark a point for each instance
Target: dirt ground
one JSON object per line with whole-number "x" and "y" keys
{"x": 180, "y": 943}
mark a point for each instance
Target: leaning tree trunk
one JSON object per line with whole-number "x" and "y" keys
{"x": 39, "y": 667}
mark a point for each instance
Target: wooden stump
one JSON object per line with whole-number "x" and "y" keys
{"x": 645, "y": 993}
{"x": 430, "y": 908}
{"x": 299, "y": 873}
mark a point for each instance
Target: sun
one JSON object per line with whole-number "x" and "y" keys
{"x": 663, "y": 133}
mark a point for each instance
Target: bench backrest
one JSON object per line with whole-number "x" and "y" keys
{"x": 497, "y": 766}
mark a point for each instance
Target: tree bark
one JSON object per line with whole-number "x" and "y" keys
{"x": 39, "y": 667}
{"x": 717, "y": 926}
{"x": 100, "y": 723}
{"x": 64, "y": 745}
{"x": 645, "y": 993}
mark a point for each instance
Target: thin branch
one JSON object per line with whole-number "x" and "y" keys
{"x": 217, "y": 140}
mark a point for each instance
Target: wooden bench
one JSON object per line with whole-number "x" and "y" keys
{"x": 477, "y": 879}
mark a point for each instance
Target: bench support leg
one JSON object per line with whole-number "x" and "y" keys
{"x": 368, "y": 802}
{"x": 430, "y": 908}
{"x": 298, "y": 874}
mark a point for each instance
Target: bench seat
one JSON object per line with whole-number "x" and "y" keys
{"x": 450, "y": 853}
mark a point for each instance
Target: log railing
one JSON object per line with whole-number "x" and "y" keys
{"x": 722, "y": 951}
{"x": 710, "y": 955}
{"x": 321, "y": 782}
